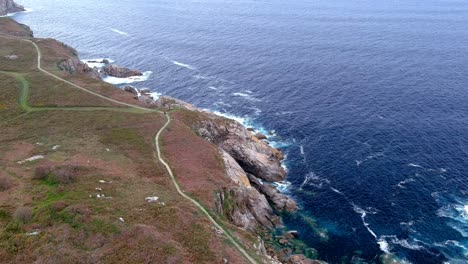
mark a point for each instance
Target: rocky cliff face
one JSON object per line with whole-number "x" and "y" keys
{"x": 73, "y": 65}
{"x": 9, "y": 6}
{"x": 119, "y": 72}
{"x": 251, "y": 165}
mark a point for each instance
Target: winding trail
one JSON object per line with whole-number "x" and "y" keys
{"x": 23, "y": 101}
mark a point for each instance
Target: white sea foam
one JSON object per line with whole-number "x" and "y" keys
{"x": 155, "y": 95}
{"x": 94, "y": 64}
{"x": 358, "y": 162}
{"x": 401, "y": 184}
{"x": 115, "y": 80}
{"x": 282, "y": 186}
{"x": 26, "y": 10}
{"x": 183, "y": 65}
{"x": 415, "y": 165}
{"x": 120, "y": 32}
{"x": 247, "y": 96}
{"x": 381, "y": 241}
{"x": 313, "y": 180}
{"x": 212, "y": 88}
{"x": 200, "y": 77}
{"x": 302, "y": 150}
{"x": 335, "y": 190}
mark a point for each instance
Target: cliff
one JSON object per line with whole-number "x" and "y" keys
{"x": 250, "y": 164}
{"x": 9, "y": 6}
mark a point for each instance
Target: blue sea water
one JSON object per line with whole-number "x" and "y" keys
{"x": 368, "y": 100}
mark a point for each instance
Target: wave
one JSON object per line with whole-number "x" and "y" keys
{"x": 183, "y": 65}
{"x": 26, "y": 10}
{"x": 335, "y": 190}
{"x": 381, "y": 241}
{"x": 96, "y": 63}
{"x": 369, "y": 157}
{"x": 247, "y": 96}
{"x": 212, "y": 88}
{"x": 282, "y": 186}
{"x": 115, "y": 80}
{"x": 313, "y": 180}
{"x": 401, "y": 184}
{"x": 415, "y": 165}
{"x": 200, "y": 77}
{"x": 155, "y": 95}
{"x": 120, "y": 32}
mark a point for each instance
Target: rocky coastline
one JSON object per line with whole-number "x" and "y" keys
{"x": 9, "y": 6}
{"x": 251, "y": 201}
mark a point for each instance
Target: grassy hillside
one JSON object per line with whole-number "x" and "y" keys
{"x": 80, "y": 198}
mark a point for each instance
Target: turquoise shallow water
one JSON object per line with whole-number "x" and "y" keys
{"x": 368, "y": 100}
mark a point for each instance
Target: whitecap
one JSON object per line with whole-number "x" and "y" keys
{"x": 312, "y": 179}
{"x": 183, "y": 65}
{"x": 212, "y": 88}
{"x": 115, "y": 80}
{"x": 402, "y": 183}
{"x": 302, "y": 150}
{"x": 120, "y": 32}
{"x": 246, "y": 96}
{"x": 26, "y": 10}
{"x": 96, "y": 63}
{"x": 335, "y": 190}
{"x": 415, "y": 165}
{"x": 282, "y": 186}
{"x": 155, "y": 95}
{"x": 200, "y": 77}
{"x": 358, "y": 162}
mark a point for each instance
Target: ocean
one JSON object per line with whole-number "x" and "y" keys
{"x": 368, "y": 99}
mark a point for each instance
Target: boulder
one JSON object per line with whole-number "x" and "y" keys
{"x": 9, "y": 6}
{"x": 300, "y": 259}
{"x": 280, "y": 201}
{"x": 260, "y": 136}
{"x": 119, "y": 72}
{"x": 130, "y": 89}
{"x": 73, "y": 65}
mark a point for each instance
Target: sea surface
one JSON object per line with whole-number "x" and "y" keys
{"x": 368, "y": 99}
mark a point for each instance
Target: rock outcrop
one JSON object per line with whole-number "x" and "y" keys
{"x": 250, "y": 164}
{"x": 119, "y": 72}
{"x": 242, "y": 203}
{"x": 73, "y": 65}
{"x": 280, "y": 201}
{"x": 254, "y": 156}
{"x": 9, "y": 6}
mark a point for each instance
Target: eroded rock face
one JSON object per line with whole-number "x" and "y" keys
{"x": 280, "y": 201}
{"x": 119, "y": 72}
{"x": 254, "y": 156}
{"x": 73, "y": 65}
{"x": 241, "y": 203}
{"x": 9, "y": 6}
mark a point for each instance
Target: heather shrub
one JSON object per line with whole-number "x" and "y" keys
{"x": 42, "y": 172}
{"x": 61, "y": 174}
{"x": 23, "y": 214}
{"x": 5, "y": 183}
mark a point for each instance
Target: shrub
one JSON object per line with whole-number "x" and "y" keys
{"x": 42, "y": 172}
{"x": 23, "y": 214}
{"x": 63, "y": 175}
{"x": 60, "y": 174}
{"x": 5, "y": 183}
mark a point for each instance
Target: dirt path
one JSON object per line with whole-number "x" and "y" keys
{"x": 23, "y": 101}
{"x": 197, "y": 204}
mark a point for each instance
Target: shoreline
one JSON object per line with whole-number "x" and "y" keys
{"x": 251, "y": 139}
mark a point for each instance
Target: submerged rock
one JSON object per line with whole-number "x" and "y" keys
{"x": 9, "y": 6}
{"x": 120, "y": 72}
